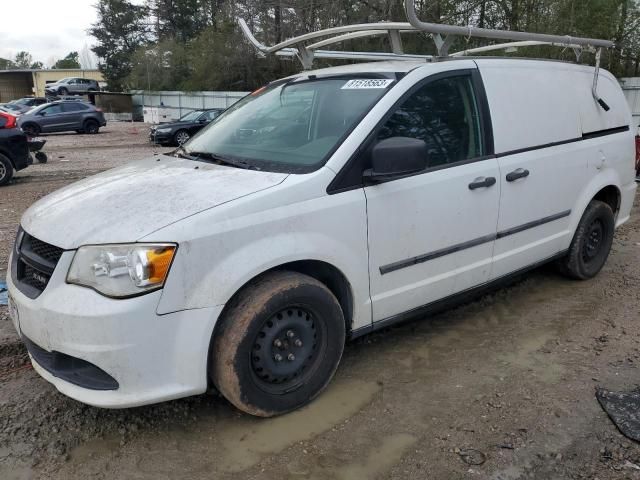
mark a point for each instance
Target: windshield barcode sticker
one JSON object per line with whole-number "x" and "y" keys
{"x": 366, "y": 83}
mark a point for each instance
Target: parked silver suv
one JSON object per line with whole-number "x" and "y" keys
{"x": 72, "y": 85}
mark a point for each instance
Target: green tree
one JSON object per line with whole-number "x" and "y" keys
{"x": 120, "y": 30}
{"x": 23, "y": 60}
{"x": 37, "y": 66}
{"x": 196, "y": 44}
{"x": 70, "y": 61}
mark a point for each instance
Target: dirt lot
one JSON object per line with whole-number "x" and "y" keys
{"x": 502, "y": 388}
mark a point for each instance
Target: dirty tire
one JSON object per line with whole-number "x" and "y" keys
{"x": 91, "y": 127}
{"x": 283, "y": 315}
{"x": 41, "y": 157}
{"x": 31, "y": 129}
{"x": 6, "y": 170}
{"x": 591, "y": 243}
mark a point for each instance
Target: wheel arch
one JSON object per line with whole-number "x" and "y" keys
{"x": 611, "y": 196}
{"x": 327, "y": 274}
{"x": 8, "y": 155}
{"x": 606, "y": 187}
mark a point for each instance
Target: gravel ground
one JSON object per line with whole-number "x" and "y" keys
{"x": 501, "y": 388}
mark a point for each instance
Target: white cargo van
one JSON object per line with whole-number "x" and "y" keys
{"x": 320, "y": 208}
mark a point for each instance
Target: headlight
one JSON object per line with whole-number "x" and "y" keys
{"x": 163, "y": 130}
{"x": 122, "y": 270}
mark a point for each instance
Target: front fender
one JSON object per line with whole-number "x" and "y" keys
{"x": 209, "y": 270}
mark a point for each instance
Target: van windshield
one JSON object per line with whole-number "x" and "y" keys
{"x": 290, "y": 127}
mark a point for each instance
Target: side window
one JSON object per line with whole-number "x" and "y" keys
{"x": 444, "y": 113}
{"x": 53, "y": 109}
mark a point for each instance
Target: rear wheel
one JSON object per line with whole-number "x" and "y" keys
{"x": 278, "y": 345}
{"x": 6, "y": 170}
{"x": 181, "y": 137}
{"x": 91, "y": 127}
{"x": 591, "y": 242}
{"x": 31, "y": 129}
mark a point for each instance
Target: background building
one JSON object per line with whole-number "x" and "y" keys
{"x": 19, "y": 83}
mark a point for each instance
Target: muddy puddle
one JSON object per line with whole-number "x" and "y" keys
{"x": 236, "y": 442}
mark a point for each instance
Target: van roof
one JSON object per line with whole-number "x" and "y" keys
{"x": 404, "y": 66}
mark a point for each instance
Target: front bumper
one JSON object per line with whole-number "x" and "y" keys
{"x": 151, "y": 357}
{"x": 160, "y": 138}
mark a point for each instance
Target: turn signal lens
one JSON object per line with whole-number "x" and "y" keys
{"x": 159, "y": 263}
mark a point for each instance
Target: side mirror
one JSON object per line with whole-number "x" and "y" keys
{"x": 42, "y": 114}
{"x": 202, "y": 120}
{"x": 396, "y": 157}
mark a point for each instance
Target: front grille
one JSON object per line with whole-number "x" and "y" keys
{"x": 42, "y": 249}
{"x": 33, "y": 264}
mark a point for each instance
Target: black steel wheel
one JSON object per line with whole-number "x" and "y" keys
{"x": 591, "y": 243}
{"x": 278, "y": 344}
{"x": 6, "y": 170}
{"x": 285, "y": 350}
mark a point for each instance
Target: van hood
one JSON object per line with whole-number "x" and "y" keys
{"x": 132, "y": 201}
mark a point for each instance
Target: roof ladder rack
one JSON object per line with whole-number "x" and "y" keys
{"x": 443, "y": 35}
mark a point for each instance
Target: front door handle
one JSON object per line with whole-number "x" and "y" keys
{"x": 482, "y": 182}
{"x": 516, "y": 174}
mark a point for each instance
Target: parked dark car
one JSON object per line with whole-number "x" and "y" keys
{"x": 14, "y": 148}
{"x": 62, "y": 116}
{"x": 181, "y": 131}
{"x": 11, "y": 108}
{"x": 73, "y": 86}
{"x": 23, "y": 105}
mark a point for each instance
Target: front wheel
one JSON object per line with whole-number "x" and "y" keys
{"x": 181, "y": 137}
{"x": 63, "y": 91}
{"x": 279, "y": 344}
{"x": 31, "y": 129}
{"x": 591, "y": 243}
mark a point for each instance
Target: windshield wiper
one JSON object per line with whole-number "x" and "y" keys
{"x": 216, "y": 158}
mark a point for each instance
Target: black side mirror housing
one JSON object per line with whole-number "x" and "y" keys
{"x": 396, "y": 157}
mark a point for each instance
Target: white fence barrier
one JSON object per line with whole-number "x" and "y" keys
{"x": 631, "y": 89}
{"x": 176, "y": 104}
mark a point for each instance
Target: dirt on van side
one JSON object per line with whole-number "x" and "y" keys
{"x": 501, "y": 388}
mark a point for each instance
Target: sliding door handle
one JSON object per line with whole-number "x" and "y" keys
{"x": 516, "y": 174}
{"x": 482, "y": 182}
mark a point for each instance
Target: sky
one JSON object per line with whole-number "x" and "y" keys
{"x": 48, "y": 29}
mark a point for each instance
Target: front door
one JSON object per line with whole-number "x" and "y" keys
{"x": 432, "y": 234}
{"x": 52, "y": 118}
